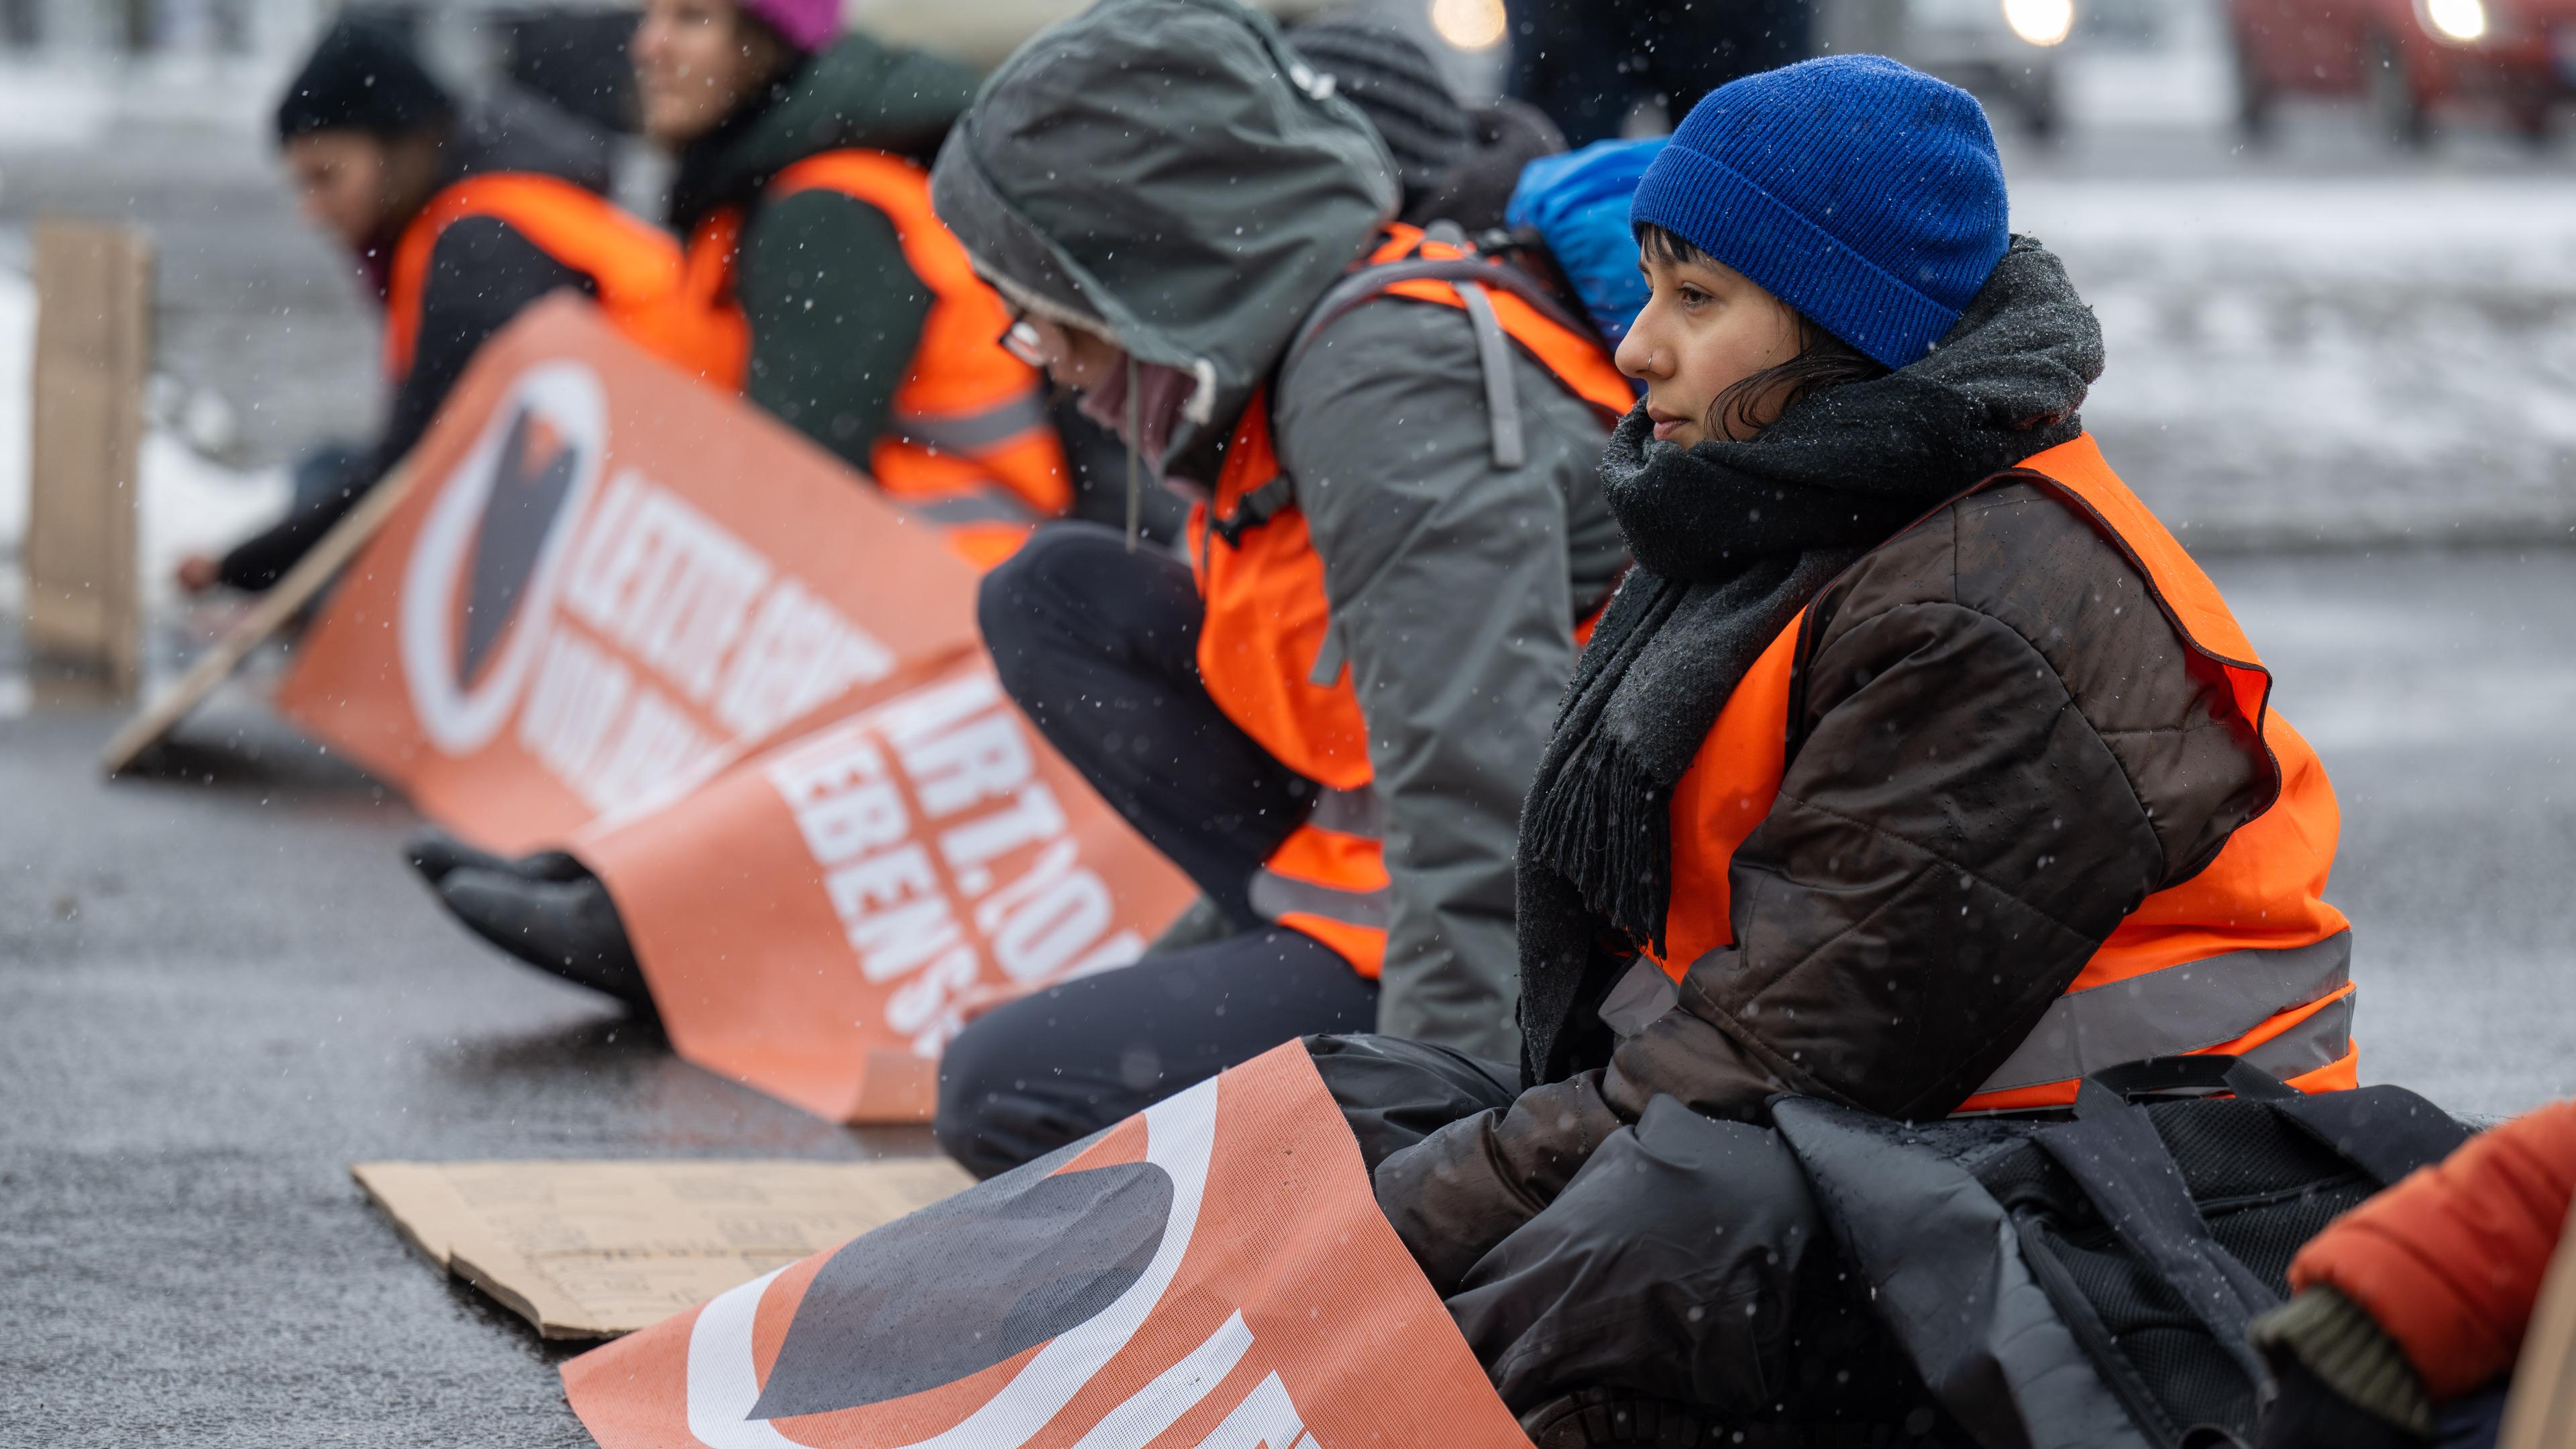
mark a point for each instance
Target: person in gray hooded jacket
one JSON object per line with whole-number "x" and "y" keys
{"x": 1167, "y": 193}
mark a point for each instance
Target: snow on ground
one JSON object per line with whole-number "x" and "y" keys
{"x": 2306, "y": 360}
{"x": 188, "y": 503}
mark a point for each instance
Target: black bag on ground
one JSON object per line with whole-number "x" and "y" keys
{"x": 2089, "y": 1282}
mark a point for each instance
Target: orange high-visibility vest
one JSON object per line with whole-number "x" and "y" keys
{"x": 1265, "y": 648}
{"x": 970, "y": 443}
{"x": 2245, "y": 958}
{"x": 634, "y": 265}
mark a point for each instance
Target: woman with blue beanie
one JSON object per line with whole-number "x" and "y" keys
{"x": 1915, "y": 768}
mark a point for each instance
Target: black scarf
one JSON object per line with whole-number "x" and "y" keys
{"x": 1731, "y": 541}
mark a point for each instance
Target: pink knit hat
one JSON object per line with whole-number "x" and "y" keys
{"x": 809, "y": 25}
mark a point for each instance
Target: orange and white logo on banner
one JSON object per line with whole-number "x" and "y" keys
{"x": 1212, "y": 1273}
{"x": 625, "y": 612}
{"x": 609, "y": 583}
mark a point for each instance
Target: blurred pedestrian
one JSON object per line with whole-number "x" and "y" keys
{"x": 818, "y": 283}
{"x": 1588, "y": 63}
{"x": 830, "y": 294}
{"x": 459, "y": 219}
{"x": 1327, "y": 716}
{"x": 1455, "y": 163}
{"x": 1911, "y": 726}
{"x": 2410, "y": 1310}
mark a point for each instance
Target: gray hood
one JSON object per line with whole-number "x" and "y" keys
{"x": 1171, "y": 172}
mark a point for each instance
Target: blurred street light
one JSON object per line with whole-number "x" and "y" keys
{"x": 2046, "y": 22}
{"x": 1470, "y": 24}
{"x": 2463, "y": 21}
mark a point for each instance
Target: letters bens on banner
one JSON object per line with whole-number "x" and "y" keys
{"x": 879, "y": 878}
{"x": 627, "y": 614}
{"x": 1211, "y": 1274}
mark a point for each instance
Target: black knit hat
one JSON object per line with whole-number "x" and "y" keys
{"x": 1380, "y": 69}
{"x": 362, "y": 77}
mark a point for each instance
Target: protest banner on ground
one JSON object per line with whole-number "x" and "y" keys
{"x": 876, "y": 878}
{"x": 611, "y": 582}
{"x": 1213, "y": 1272}
{"x": 620, "y": 611}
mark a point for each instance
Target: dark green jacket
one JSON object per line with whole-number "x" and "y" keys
{"x": 835, "y": 311}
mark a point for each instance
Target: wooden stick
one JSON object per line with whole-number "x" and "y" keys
{"x": 317, "y": 568}
{"x": 93, "y": 349}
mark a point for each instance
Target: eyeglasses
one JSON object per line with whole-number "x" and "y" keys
{"x": 1021, "y": 340}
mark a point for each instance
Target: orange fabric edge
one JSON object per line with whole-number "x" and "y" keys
{"x": 2339, "y": 1075}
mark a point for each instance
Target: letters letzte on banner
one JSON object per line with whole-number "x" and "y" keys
{"x": 1211, "y": 1274}
{"x": 624, "y": 612}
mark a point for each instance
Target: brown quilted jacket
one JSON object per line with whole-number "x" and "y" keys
{"x": 1994, "y": 687}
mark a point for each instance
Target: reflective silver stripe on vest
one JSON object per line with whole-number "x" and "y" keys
{"x": 971, "y": 434}
{"x": 984, "y": 503}
{"x": 1275, "y": 897}
{"x": 1350, "y": 812}
{"x": 2319, "y": 1041}
{"x": 2185, "y": 1008}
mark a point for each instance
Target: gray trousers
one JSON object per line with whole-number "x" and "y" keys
{"x": 1685, "y": 1262}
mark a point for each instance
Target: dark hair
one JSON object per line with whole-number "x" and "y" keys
{"x": 1824, "y": 361}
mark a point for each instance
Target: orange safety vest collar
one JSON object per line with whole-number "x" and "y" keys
{"x": 970, "y": 442}
{"x": 1267, "y": 649}
{"x": 634, "y": 266}
{"x": 2245, "y": 958}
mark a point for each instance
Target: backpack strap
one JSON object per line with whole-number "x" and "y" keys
{"x": 2123, "y": 1165}
{"x": 2387, "y": 1132}
{"x": 2112, "y": 1088}
{"x": 1468, "y": 276}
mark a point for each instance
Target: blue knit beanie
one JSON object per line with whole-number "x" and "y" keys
{"x": 1860, "y": 191}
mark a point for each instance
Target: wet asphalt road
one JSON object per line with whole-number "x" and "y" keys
{"x": 218, "y": 991}
{"x": 215, "y": 996}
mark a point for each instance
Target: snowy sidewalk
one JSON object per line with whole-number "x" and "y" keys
{"x": 2304, "y": 361}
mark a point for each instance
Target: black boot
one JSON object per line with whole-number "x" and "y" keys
{"x": 437, "y": 854}
{"x": 567, "y": 927}
{"x": 1613, "y": 1419}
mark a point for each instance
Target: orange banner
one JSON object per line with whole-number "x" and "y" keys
{"x": 818, "y": 920}
{"x": 1212, "y": 1273}
{"x": 622, "y": 611}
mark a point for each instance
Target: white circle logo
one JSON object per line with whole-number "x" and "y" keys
{"x": 480, "y": 586}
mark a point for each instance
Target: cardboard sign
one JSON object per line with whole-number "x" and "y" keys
{"x": 818, "y": 920}
{"x": 622, "y": 612}
{"x": 595, "y": 1249}
{"x": 1212, "y": 1273}
{"x": 608, "y": 584}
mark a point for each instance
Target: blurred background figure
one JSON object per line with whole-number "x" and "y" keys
{"x": 1591, "y": 63}
{"x": 825, "y": 290}
{"x": 1454, "y": 162}
{"x": 458, "y": 219}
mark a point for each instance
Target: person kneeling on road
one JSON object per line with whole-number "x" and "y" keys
{"x": 819, "y": 284}
{"x": 1326, "y": 716}
{"x": 1915, "y": 767}
{"x": 460, "y": 221}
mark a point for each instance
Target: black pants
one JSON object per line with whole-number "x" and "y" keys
{"x": 1099, "y": 646}
{"x": 1685, "y": 1262}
